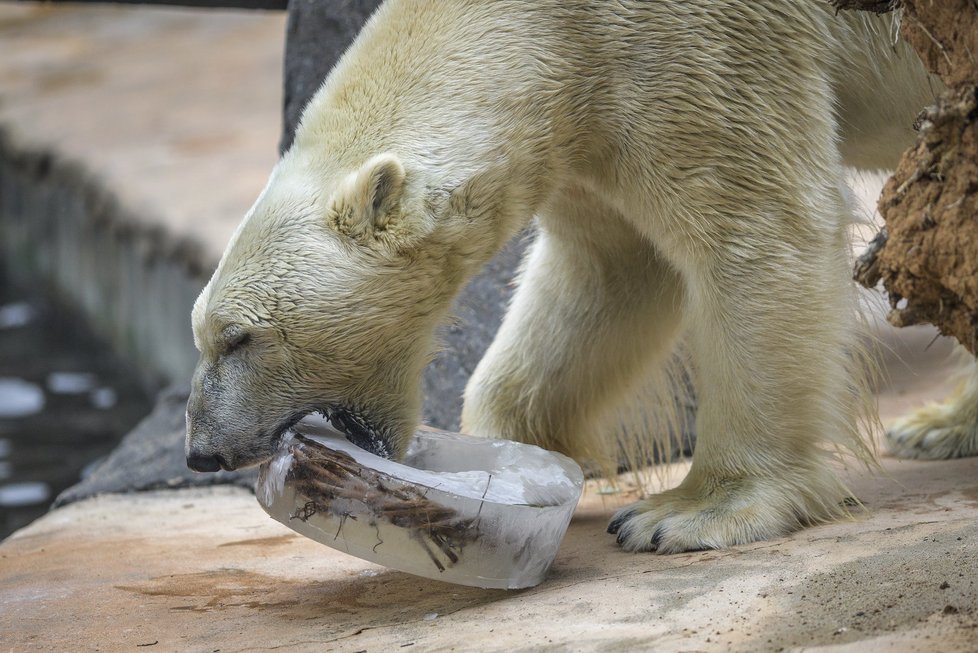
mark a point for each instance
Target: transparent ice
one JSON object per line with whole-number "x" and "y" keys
{"x": 510, "y": 505}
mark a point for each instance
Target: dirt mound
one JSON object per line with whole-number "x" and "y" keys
{"x": 927, "y": 255}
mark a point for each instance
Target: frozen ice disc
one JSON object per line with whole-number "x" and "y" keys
{"x": 488, "y": 513}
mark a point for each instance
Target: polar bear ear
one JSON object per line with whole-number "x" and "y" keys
{"x": 368, "y": 198}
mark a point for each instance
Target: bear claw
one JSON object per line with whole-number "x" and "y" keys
{"x": 620, "y": 527}
{"x": 656, "y": 540}
{"x": 618, "y": 521}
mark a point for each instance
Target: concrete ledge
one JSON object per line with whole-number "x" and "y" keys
{"x": 118, "y": 187}
{"x": 59, "y": 226}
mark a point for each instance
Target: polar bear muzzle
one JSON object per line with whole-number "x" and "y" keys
{"x": 360, "y": 431}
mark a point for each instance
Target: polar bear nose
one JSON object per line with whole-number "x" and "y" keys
{"x": 201, "y": 463}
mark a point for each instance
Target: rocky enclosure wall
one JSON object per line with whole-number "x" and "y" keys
{"x": 135, "y": 283}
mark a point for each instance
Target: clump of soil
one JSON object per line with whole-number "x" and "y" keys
{"x": 927, "y": 255}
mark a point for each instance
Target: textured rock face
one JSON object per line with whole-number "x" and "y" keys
{"x": 931, "y": 210}
{"x": 928, "y": 253}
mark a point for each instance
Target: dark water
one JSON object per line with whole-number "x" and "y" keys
{"x": 65, "y": 402}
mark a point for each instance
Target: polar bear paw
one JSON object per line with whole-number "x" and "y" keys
{"x": 935, "y": 432}
{"x": 683, "y": 520}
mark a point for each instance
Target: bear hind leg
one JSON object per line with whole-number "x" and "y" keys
{"x": 772, "y": 341}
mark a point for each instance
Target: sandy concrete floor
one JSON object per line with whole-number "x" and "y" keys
{"x": 206, "y": 570}
{"x": 178, "y": 111}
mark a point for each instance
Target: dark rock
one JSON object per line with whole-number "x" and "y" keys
{"x": 479, "y": 311}
{"x": 151, "y": 457}
{"x": 317, "y": 35}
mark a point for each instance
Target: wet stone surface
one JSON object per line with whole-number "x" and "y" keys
{"x": 152, "y": 457}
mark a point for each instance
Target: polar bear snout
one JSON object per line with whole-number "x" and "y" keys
{"x": 226, "y": 430}
{"x": 199, "y": 462}
{"x": 211, "y": 449}
{"x": 201, "y": 457}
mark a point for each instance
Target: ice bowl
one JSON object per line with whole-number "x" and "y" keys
{"x": 466, "y": 510}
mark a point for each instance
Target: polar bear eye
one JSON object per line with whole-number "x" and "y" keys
{"x": 236, "y": 339}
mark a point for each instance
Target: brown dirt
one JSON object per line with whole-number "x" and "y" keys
{"x": 928, "y": 253}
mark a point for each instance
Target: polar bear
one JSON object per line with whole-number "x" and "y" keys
{"x": 683, "y": 161}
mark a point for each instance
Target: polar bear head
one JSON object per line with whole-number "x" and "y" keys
{"x": 326, "y": 300}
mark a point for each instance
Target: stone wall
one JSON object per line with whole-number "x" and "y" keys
{"x": 135, "y": 283}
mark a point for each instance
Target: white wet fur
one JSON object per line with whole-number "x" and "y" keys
{"x": 684, "y": 163}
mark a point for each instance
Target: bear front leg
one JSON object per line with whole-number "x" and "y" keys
{"x": 942, "y": 430}
{"x": 595, "y": 308}
{"x": 771, "y": 335}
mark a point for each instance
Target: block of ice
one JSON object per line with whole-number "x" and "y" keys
{"x": 488, "y": 513}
